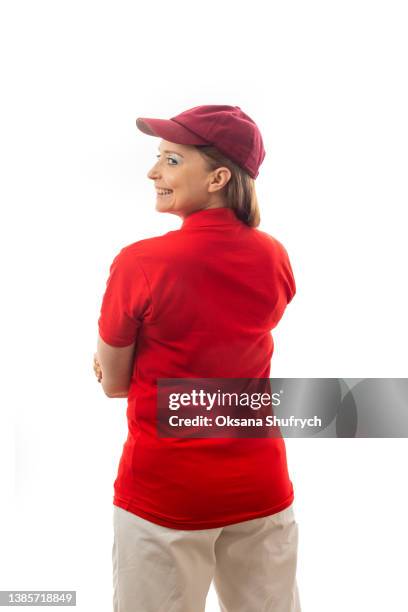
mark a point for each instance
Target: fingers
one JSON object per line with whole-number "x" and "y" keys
{"x": 97, "y": 369}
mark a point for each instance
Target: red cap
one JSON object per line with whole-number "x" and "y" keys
{"x": 227, "y": 128}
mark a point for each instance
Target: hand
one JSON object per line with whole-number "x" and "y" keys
{"x": 97, "y": 368}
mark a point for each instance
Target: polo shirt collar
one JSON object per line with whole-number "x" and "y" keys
{"x": 210, "y": 216}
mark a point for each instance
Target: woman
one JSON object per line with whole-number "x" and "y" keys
{"x": 199, "y": 303}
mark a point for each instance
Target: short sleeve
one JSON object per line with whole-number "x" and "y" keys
{"x": 126, "y": 301}
{"x": 288, "y": 277}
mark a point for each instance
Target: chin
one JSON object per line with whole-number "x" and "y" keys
{"x": 161, "y": 207}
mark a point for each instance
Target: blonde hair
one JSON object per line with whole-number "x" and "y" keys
{"x": 239, "y": 192}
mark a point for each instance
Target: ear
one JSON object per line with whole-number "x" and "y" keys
{"x": 219, "y": 179}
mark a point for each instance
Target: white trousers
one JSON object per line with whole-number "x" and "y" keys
{"x": 253, "y": 565}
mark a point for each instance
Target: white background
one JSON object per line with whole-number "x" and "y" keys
{"x": 326, "y": 83}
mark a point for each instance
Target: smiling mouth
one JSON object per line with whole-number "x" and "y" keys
{"x": 164, "y": 194}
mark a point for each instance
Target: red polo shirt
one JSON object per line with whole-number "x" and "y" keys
{"x": 201, "y": 302}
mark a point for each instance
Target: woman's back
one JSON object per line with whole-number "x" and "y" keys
{"x": 205, "y": 298}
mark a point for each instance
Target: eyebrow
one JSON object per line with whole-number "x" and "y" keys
{"x": 167, "y": 151}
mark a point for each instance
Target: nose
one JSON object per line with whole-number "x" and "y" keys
{"x": 152, "y": 174}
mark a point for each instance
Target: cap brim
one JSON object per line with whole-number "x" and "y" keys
{"x": 169, "y": 130}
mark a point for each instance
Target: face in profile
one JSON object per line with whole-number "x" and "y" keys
{"x": 183, "y": 182}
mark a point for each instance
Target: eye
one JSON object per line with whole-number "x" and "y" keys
{"x": 168, "y": 157}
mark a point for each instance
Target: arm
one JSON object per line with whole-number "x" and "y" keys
{"x": 125, "y": 304}
{"x": 116, "y": 365}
